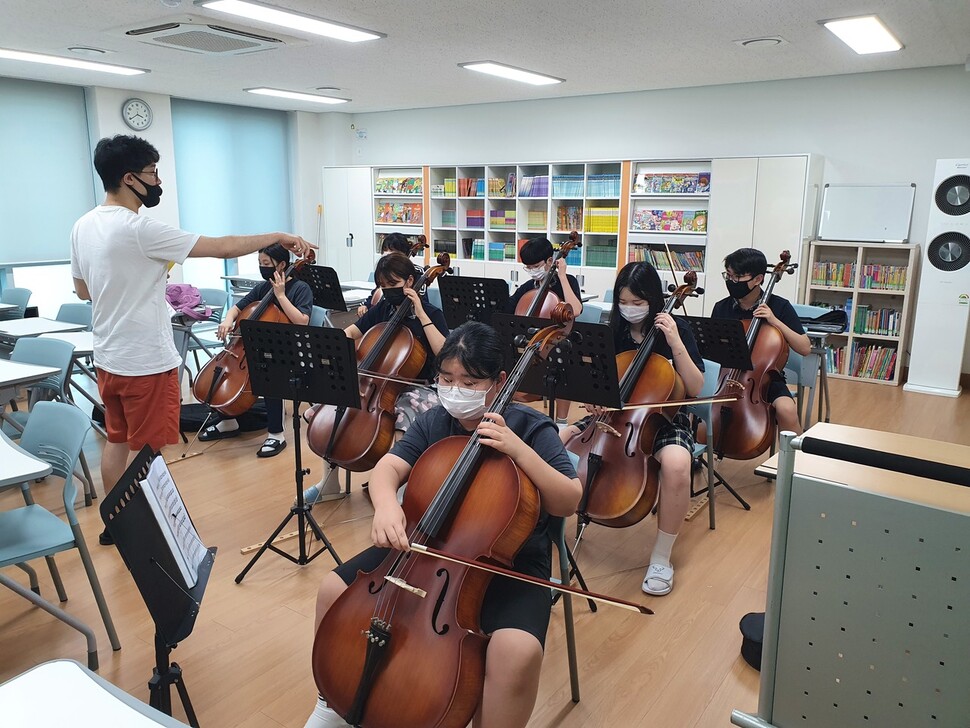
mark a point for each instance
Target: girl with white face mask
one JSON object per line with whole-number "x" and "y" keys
{"x": 515, "y": 614}
{"x": 637, "y": 307}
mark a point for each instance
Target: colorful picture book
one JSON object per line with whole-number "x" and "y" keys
{"x": 669, "y": 220}
{"x": 404, "y": 213}
{"x": 398, "y": 185}
{"x": 671, "y": 183}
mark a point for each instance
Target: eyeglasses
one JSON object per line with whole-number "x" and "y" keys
{"x": 735, "y": 278}
{"x": 147, "y": 172}
{"x": 464, "y": 391}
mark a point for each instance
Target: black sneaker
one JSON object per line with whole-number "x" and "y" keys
{"x": 105, "y": 538}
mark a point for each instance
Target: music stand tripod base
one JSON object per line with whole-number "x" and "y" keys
{"x": 307, "y": 364}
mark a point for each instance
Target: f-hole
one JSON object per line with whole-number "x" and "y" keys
{"x": 443, "y": 629}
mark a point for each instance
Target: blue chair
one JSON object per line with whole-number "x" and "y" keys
{"x": 319, "y": 317}
{"x": 75, "y": 313}
{"x": 590, "y": 314}
{"x": 806, "y": 371}
{"x": 54, "y": 433}
{"x": 48, "y": 353}
{"x": 704, "y": 453}
{"x": 608, "y": 296}
{"x": 18, "y": 297}
{"x": 434, "y": 296}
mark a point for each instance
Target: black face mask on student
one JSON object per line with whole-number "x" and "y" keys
{"x": 267, "y": 271}
{"x": 152, "y": 196}
{"x": 393, "y": 296}
{"x": 737, "y": 289}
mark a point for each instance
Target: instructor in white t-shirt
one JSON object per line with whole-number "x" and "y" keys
{"x": 120, "y": 261}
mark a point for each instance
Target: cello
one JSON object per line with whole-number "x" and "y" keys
{"x": 223, "y": 383}
{"x": 745, "y": 429}
{"x": 616, "y": 464}
{"x": 388, "y": 355}
{"x": 541, "y": 301}
{"x": 420, "y": 617}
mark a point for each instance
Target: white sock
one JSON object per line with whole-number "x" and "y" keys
{"x": 227, "y": 426}
{"x": 276, "y": 436}
{"x": 324, "y": 717}
{"x": 662, "y": 548}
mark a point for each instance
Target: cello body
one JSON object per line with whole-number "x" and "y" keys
{"x": 746, "y": 428}
{"x": 433, "y": 670}
{"x": 223, "y": 383}
{"x": 626, "y": 482}
{"x": 365, "y": 435}
{"x": 529, "y": 306}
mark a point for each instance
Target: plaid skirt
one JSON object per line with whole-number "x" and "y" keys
{"x": 412, "y": 402}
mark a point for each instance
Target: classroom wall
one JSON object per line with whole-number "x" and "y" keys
{"x": 874, "y": 128}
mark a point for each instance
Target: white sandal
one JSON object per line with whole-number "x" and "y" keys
{"x": 658, "y": 574}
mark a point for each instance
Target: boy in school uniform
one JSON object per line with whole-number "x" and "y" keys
{"x": 744, "y": 272}
{"x": 536, "y": 256}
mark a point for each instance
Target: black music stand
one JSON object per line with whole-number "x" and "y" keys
{"x": 724, "y": 341}
{"x": 308, "y": 364}
{"x": 582, "y": 368}
{"x": 464, "y": 298}
{"x": 172, "y": 604}
{"x": 327, "y": 293}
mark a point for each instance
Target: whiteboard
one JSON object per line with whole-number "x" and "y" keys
{"x": 866, "y": 213}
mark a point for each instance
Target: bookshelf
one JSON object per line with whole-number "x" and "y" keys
{"x": 669, "y": 205}
{"x": 398, "y": 201}
{"x": 874, "y": 283}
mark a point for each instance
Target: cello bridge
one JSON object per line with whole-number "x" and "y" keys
{"x": 608, "y": 429}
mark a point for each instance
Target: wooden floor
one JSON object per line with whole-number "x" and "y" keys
{"x": 247, "y": 662}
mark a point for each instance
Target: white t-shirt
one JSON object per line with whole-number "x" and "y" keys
{"x": 123, "y": 258}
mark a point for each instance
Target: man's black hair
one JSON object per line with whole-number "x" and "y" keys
{"x": 537, "y": 250}
{"x": 747, "y": 261}
{"x": 114, "y": 157}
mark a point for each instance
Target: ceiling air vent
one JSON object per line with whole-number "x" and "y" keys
{"x": 212, "y": 40}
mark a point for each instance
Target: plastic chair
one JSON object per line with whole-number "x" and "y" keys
{"x": 810, "y": 371}
{"x": 558, "y": 531}
{"x": 434, "y": 296}
{"x": 75, "y": 313}
{"x": 608, "y": 296}
{"x": 54, "y": 433}
{"x": 704, "y": 453}
{"x": 319, "y": 317}
{"x": 48, "y": 353}
{"x": 589, "y": 314}
{"x": 218, "y": 299}
{"x": 19, "y": 297}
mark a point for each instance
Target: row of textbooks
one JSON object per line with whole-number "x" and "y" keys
{"x": 448, "y": 218}
{"x": 475, "y": 218}
{"x": 501, "y": 220}
{"x": 568, "y": 185}
{"x": 498, "y": 187}
{"x": 694, "y": 221}
{"x": 407, "y": 213}
{"x": 569, "y": 217}
{"x": 501, "y": 251}
{"x": 835, "y": 359}
{"x": 537, "y": 186}
{"x": 602, "y": 219}
{"x": 445, "y": 246}
{"x": 872, "y": 362}
{"x": 460, "y": 187}
{"x": 684, "y": 260}
{"x": 603, "y": 185}
{"x": 884, "y": 277}
{"x": 537, "y": 220}
{"x": 883, "y": 321}
{"x": 833, "y": 274}
{"x": 671, "y": 183}
{"x": 600, "y": 254}
{"x": 399, "y": 185}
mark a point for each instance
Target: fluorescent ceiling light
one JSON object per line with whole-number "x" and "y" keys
{"x": 289, "y": 19}
{"x": 865, "y": 34}
{"x": 69, "y": 62}
{"x": 511, "y": 72}
{"x": 297, "y": 96}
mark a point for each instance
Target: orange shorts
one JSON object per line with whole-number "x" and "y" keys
{"x": 142, "y": 410}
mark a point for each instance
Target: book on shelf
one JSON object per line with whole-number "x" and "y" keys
{"x": 408, "y": 213}
{"x": 451, "y": 187}
{"x": 567, "y": 185}
{"x": 835, "y": 359}
{"x": 537, "y": 220}
{"x": 448, "y": 218}
{"x": 871, "y": 361}
{"x": 501, "y": 219}
{"x": 601, "y": 253}
{"x": 496, "y": 250}
{"x": 669, "y": 220}
{"x": 883, "y": 277}
{"x": 602, "y": 219}
{"x": 833, "y": 274}
{"x": 475, "y": 218}
{"x": 537, "y": 186}
{"x": 684, "y": 260}
{"x": 445, "y": 246}
{"x": 398, "y": 185}
{"x": 478, "y": 249}
{"x": 471, "y": 187}
{"x": 569, "y": 218}
{"x": 881, "y": 321}
{"x": 603, "y": 185}
{"x": 173, "y": 520}
{"x": 671, "y": 183}
{"x": 510, "y": 188}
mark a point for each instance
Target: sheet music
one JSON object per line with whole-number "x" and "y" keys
{"x": 177, "y": 528}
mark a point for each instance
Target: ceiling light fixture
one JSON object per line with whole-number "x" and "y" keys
{"x": 865, "y": 34}
{"x": 511, "y": 72}
{"x": 69, "y": 62}
{"x": 297, "y": 96}
{"x": 289, "y": 19}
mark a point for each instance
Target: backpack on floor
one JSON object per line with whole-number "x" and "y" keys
{"x": 192, "y": 416}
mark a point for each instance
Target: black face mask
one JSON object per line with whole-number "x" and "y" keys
{"x": 267, "y": 271}
{"x": 737, "y": 289}
{"x": 152, "y": 196}
{"x": 393, "y": 296}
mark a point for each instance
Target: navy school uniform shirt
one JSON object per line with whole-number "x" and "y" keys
{"x": 729, "y": 308}
{"x": 533, "y": 427}
{"x": 554, "y": 287}
{"x": 298, "y": 292}
{"x": 383, "y": 311}
{"x": 623, "y": 341}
